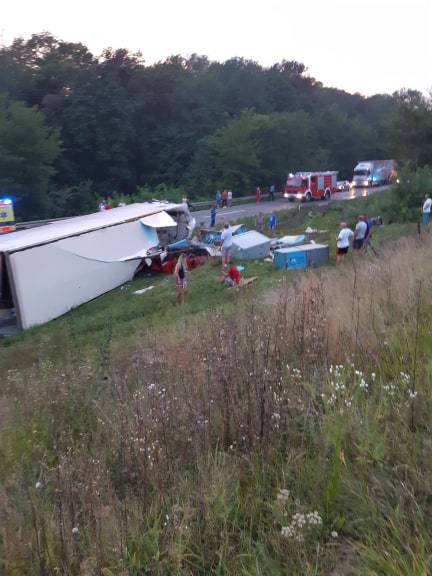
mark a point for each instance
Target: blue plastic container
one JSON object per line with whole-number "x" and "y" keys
{"x": 290, "y": 258}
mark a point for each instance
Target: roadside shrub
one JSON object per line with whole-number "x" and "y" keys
{"x": 409, "y": 194}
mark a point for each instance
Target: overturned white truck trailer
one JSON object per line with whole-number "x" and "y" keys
{"x": 47, "y": 271}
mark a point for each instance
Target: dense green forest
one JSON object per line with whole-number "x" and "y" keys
{"x": 75, "y": 127}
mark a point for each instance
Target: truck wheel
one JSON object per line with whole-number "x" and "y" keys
{"x": 308, "y": 197}
{"x": 327, "y": 195}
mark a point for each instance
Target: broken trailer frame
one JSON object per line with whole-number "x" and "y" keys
{"x": 49, "y": 270}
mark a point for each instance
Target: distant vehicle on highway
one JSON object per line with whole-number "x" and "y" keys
{"x": 343, "y": 185}
{"x": 7, "y": 217}
{"x": 370, "y": 173}
{"x": 307, "y": 186}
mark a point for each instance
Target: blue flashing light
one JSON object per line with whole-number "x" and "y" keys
{"x": 6, "y": 200}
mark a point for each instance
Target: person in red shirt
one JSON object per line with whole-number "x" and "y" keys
{"x": 231, "y": 276}
{"x": 224, "y": 198}
{"x": 258, "y": 194}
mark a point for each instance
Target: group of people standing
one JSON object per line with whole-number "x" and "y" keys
{"x": 361, "y": 237}
{"x": 224, "y": 198}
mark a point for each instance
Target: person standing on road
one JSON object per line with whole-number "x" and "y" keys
{"x": 427, "y": 210}
{"x": 272, "y": 192}
{"x": 360, "y": 233}
{"x": 180, "y": 272}
{"x": 226, "y": 238}
{"x": 259, "y": 222}
{"x": 213, "y": 216}
{"x": 218, "y": 198}
{"x": 343, "y": 242}
{"x": 258, "y": 194}
{"x": 224, "y": 198}
{"x": 230, "y": 198}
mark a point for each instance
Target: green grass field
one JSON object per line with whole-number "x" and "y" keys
{"x": 280, "y": 430}
{"x": 130, "y": 315}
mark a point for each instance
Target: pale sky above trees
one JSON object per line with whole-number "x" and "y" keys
{"x": 367, "y": 46}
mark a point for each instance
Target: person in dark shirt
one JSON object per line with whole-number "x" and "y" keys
{"x": 213, "y": 216}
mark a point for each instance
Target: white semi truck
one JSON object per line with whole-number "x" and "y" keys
{"x": 374, "y": 173}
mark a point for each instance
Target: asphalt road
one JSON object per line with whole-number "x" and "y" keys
{"x": 266, "y": 207}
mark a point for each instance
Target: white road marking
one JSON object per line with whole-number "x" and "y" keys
{"x": 229, "y": 213}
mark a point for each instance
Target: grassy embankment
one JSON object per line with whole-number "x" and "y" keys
{"x": 286, "y": 432}
{"x": 123, "y": 317}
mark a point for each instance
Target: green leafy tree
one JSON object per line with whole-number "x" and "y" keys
{"x": 28, "y": 149}
{"x": 259, "y": 149}
{"x": 412, "y": 128}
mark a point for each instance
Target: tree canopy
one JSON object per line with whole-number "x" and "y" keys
{"x": 185, "y": 122}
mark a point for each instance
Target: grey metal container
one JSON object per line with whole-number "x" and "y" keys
{"x": 317, "y": 255}
{"x": 302, "y": 256}
{"x": 250, "y": 246}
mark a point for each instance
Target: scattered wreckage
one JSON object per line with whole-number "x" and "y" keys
{"x": 47, "y": 271}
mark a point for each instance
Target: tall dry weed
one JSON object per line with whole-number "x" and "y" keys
{"x": 98, "y": 446}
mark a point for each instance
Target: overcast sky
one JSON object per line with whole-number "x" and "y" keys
{"x": 365, "y": 46}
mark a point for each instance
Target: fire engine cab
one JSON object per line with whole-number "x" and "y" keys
{"x": 7, "y": 217}
{"x": 307, "y": 186}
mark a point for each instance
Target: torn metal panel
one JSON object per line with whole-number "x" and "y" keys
{"x": 159, "y": 220}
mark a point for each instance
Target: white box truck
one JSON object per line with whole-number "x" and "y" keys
{"x": 374, "y": 173}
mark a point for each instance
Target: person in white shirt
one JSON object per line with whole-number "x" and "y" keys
{"x": 226, "y": 238}
{"x": 230, "y": 196}
{"x": 343, "y": 242}
{"x": 427, "y": 210}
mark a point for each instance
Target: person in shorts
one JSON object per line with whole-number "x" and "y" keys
{"x": 343, "y": 242}
{"x": 180, "y": 272}
{"x": 360, "y": 233}
{"x": 226, "y": 239}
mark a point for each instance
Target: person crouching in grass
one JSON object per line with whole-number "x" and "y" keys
{"x": 230, "y": 276}
{"x": 343, "y": 242}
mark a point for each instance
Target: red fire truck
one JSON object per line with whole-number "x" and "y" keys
{"x": 307, "y": 186}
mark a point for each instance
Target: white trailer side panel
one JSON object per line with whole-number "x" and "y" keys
{"x": 52, "y": 279}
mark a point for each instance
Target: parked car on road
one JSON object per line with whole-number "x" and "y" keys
{"x": 343, "y": 185}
